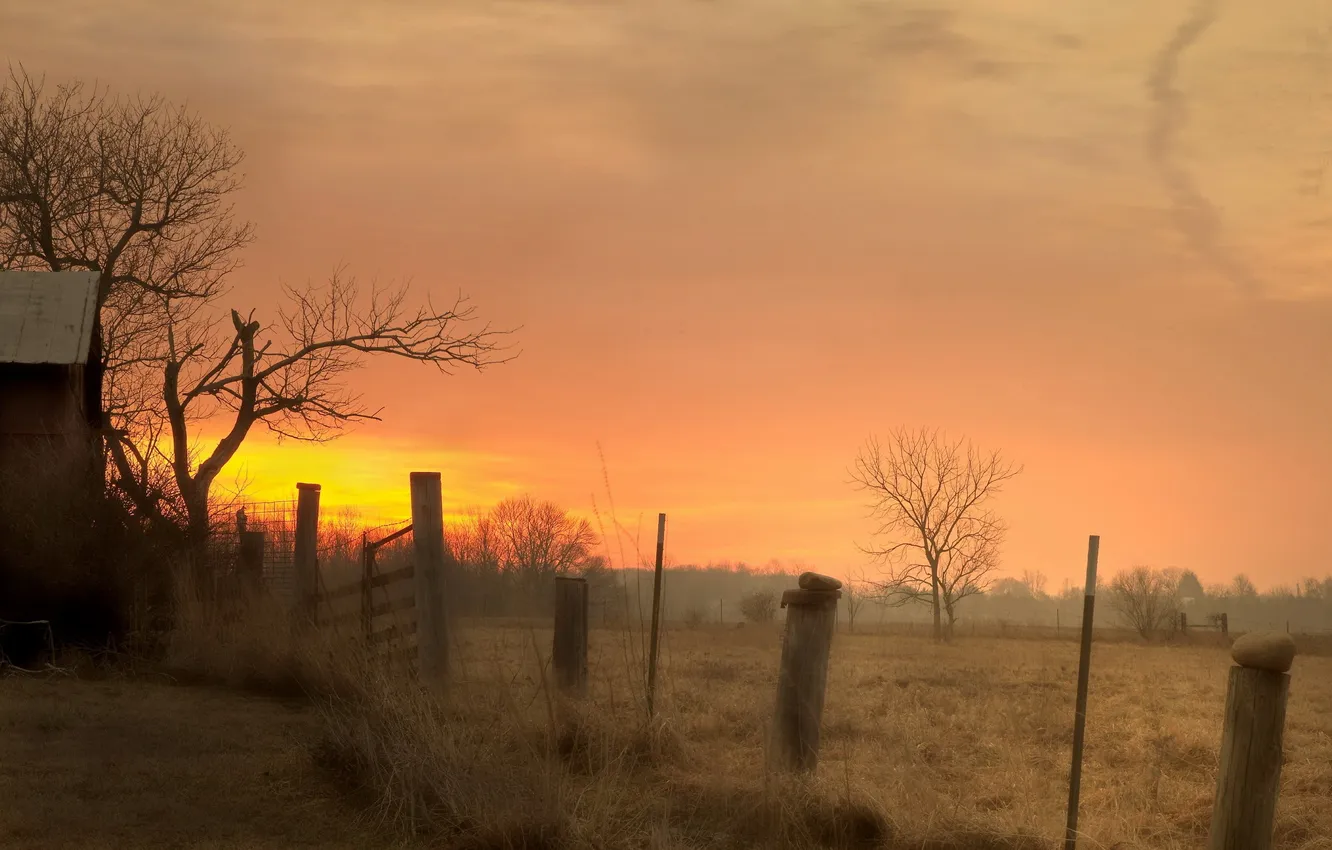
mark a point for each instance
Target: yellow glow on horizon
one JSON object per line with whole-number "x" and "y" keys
{"x": 368, "y": 475}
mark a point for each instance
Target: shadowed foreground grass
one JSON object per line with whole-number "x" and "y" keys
{"x": 117, "y": 763}
{"x": 962, "y": 746}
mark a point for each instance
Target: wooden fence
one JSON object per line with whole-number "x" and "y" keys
{"x": 381, "y": 606}
{"x": 399, "y": 614}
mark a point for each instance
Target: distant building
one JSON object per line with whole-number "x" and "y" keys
{"x": 49, "y": 396}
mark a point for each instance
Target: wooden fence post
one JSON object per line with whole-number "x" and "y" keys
{"x": 432, "y": 630}
{"x": 251, "y": 561}
{"x": 569, "y": 654}
{"x": 1183, "y": 622}
{"x": 1244, "y": 813}
{"x": 306, "y": 556}
{"x": 811, "y": 617}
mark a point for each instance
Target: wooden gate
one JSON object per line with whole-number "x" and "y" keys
{"x": 381, "y": 606}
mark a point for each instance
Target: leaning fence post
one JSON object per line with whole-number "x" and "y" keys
{"x": 432, "y": 645}
{"x": 569, "y": 654}
{"x": 811, "y": 617}
{"x": 1244, "y": 813}
{"x": 653, "y": 638}
{"x": 306, "y": 558}
{"x": 1084, "y": 678}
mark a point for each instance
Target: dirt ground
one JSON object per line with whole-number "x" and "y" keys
{"x": 143, "y": 764}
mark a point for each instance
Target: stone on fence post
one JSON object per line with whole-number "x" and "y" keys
{"x": 569, "y": 654}
{"x": 432, "y": 643}
{"x": 811, "y": 616}
{"x": 306, "y": 558}
{"x": 1244, "y": 813}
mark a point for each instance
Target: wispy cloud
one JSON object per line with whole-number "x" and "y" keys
{"x": 1195, "y": 215}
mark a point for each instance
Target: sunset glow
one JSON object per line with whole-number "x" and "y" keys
{"x": 740, "y": 237}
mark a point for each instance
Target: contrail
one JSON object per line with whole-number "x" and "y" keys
{"x": 1195, "y": 216}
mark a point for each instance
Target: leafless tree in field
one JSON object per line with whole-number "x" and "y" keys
{"x": 965, "y": 570}
{"x": 1146, "y": 599}
{"x": 139, "y": 191}
{"x": 856, "y": 591}
{"x": 929, "y": 496}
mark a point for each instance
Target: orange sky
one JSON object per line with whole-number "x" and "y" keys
{"x": 742, "y": 235}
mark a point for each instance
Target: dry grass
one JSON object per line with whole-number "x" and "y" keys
{"x": 962, "y": 746}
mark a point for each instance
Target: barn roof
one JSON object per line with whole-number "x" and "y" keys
{"x": 47, "y": 317}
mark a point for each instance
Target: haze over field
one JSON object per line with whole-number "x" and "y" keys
{"x": 740, "y": 236}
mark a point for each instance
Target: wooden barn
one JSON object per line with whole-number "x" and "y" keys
{"x": 49, "y": 396}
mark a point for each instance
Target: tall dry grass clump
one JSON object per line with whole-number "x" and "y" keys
{"x": 478, "y": 764}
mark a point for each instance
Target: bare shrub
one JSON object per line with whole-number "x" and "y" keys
{"x": 1146, "y": 599}
{"x": 759, "y": 606}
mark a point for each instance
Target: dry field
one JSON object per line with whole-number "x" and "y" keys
{"x": 963, "y": 746}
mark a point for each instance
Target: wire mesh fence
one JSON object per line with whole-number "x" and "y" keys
{"x": 277, "y": 521}
{"x": 339, "y": 551}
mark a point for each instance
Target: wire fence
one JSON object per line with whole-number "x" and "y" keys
{"x": 277, "y": 521}
{"x": 339, "y": 549}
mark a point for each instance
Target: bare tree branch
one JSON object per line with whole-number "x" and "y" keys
{"x": 291, "y": 378}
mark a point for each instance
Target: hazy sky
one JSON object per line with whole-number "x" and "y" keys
{"x": 741, "y": 235}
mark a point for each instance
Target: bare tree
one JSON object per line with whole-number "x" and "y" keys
{"x": 1035, "y": 581}
{"x": 1242, "y": 586}
{"x": 132, "y": 189}
{"x": 968, "y": 570}
{"x": 138, "y": 192}
{"x": 855, "y": 592}
{"x": 1146, "y": 599}
{"x": 474, "y": 542}
{"x": 1313, "y": 588}
{"x": 540, "y": 540}
{"x": 289, "y": 378}
{"x": 964, "y": 570}
{"x": 929, "y": 494}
